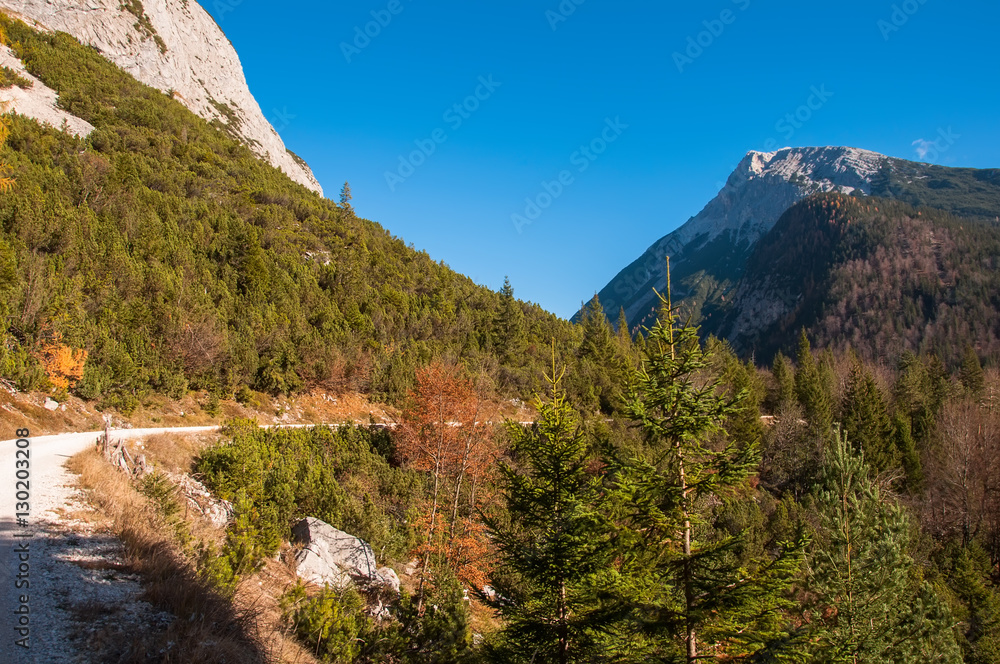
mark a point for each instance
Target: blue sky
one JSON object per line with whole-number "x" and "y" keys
{"x": 666, "y": 97}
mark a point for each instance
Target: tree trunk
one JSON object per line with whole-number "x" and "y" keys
{"x": 563, "y": 626}
{"x": 442, "y": 423}
{"x": 466, "y": 454}
{"x": 430, "y": 540}
{"x": 474, "y": 480}
{"x": 846, "y": 525}
{"x": 689, "y": 600}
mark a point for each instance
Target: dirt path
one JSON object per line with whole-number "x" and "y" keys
{"x": 70, "y": 571}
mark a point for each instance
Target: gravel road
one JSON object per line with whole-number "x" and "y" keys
{"x": 61, "y": 580}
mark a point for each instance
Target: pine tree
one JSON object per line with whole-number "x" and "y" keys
{"x": 622, "y": 328}
{"x": 784, "y": 377}
{"x": 869, "y": 603}
{"x": 968, "y": 571}
{"x": 508, "y": 327}
{"x": 921, "y": 389}
{"x": 745, "y": 425}
{"x": 437, "y": 635}
{"x": 812, "y": 392}
{"x": 345, "y": 199}
{"x": 827, "y": 366}
{"x": 739, "y": 378}
{"x": 626, "y": 345}
{"x": 688, "y": 585}
{"x": 601, "y": 361}
{"x": 866, "y": 421}
{"x": 552, "y": 541}
{"x": 972, "y": 376}
{"x": 598, "y": 336}
{"x": 910, "y": 458}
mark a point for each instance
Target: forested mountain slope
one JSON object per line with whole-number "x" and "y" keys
{"x": 171, "y": 256}
{"x": 710, "y": 253}
{"x": 964, "y": 192}
{"x": 872, "y": 274}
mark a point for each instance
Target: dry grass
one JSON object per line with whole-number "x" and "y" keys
{"x": 176, "y": 452}
{"x": 19, "y": 410}
{"x": 90, "y": 609}
{"x": 260, "y": 595}
{"x": 312, "y": 408}
{"x": 207, "y": 627}
{"x": 483, "y": 619}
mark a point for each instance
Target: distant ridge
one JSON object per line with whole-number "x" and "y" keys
{"x": 709, "y": 252}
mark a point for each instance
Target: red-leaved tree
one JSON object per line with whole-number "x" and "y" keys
{"x": 448, "y": 431}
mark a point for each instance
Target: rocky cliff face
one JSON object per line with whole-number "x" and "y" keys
{"x": 708, "y": 253}
{"x": 172, "y": 45}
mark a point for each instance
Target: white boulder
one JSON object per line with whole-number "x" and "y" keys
{"x": 332, "y": 556}
{"x": 388, "y": 578}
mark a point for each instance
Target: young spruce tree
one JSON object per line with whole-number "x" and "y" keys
{"x": 784, "y": 378}
{"x": 688, "y": 589}
{"x": 813, "y": 391}
{"x": 508, "y": 327}
{"x": 552, "y": 540}
{"x": 866, "y": 421}
{"x": 598, "y": 374}
{"x": 346, "y": 198}
{"x": 971, "y": 374}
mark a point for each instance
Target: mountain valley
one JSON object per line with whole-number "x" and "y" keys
{"x": 296, "y": 438}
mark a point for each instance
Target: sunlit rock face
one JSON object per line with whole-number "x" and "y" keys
{"x": 175, "y": 46}
{"x": 710, "y": 250}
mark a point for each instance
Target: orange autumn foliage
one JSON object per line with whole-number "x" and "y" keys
{"x": 62, "y": 364}
{"x": 470, "y": 553}
{"x": 448, "y": 430}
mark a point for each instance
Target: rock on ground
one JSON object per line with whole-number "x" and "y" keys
{"x": 218, "y": 512}
{"x": 331, "y": 556}
{"x": 388, "y": 578}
